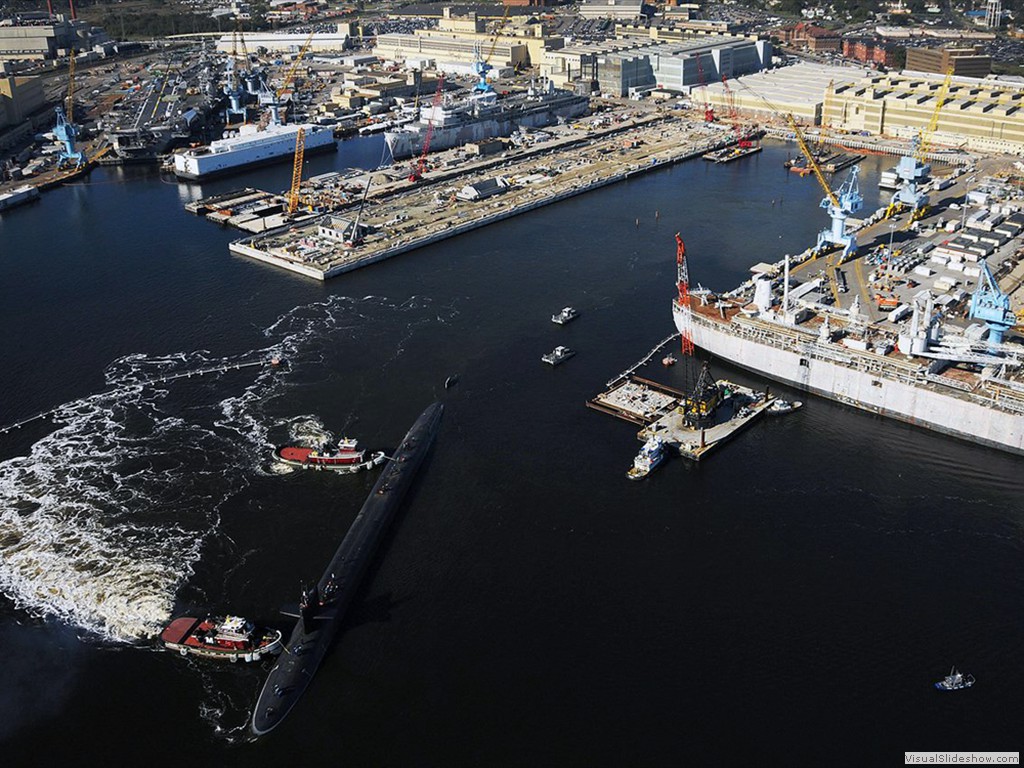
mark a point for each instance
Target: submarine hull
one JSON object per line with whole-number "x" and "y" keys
{"x": 328, "y": 602}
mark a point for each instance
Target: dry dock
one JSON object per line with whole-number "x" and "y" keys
{"x": 402, "y": 217}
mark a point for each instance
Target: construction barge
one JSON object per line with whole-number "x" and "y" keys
{"x": 693, "y": 425}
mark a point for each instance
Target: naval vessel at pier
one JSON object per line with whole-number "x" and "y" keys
{"x": 943, "y": 359}
{"x": 324, "y": 606}
{"x": 483, "y": 116}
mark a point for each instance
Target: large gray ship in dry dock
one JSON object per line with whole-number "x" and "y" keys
{"x": 914, "y": 363}
{"x": 484, "y": 116}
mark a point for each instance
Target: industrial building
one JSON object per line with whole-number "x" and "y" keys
{"x": 39, "y": 36}
{"x": 291, "y": 42}
{"x": 19, "y": 98}
{"x": 983, "y": 115}
{"x": 463, "y": 40}
{"x": 965, "y": 61}
{"x": 871, "y": 51}
{"x": 626, "y": 67}
{"x": 798, "y": 90}
{"x": 615, "y": 9}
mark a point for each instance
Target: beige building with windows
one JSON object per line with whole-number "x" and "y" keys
{"x": 983, "y": 115}
{"x": 464, "y": 40}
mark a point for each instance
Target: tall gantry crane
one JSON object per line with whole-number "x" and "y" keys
{"x": 839, "y": 204}
{"x": 913, "y": 170}
{"x": 742, "y": 140}
{"x": 65, "y": 129}
{"x": 482, "y": 65}
{"x": 992, "y": 306}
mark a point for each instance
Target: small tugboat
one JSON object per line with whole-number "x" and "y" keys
{"x": 558, "y": 355}
{"x": 344, "y": 456}
{"x": 668, "y": 360}
{"x": 954, "y": 681}
{"x": 221, "y": 637}
{"x": 782, "y": 407}
{"x": 568, "y": 314}
{"x": 652, "y": 453}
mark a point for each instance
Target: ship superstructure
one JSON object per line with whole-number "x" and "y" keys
{"x": 251, "y": 146}
{"x": 483, "y": 116}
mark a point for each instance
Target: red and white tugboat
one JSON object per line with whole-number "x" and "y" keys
{"x": 345, "y": 456}
{"x": 217, "y": 637}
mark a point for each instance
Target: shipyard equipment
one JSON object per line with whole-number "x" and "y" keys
{"x": 990, "y": 305}
{"x": 273, "y": 99}
{"x": 698, "y": 409}
{"x": 839, "y": 204}
{"x": 421, "y": 165}
{"x": 65, "y": 129}
{"x": 482, "y": 65}
{"x": 293, "y": 193}
{"x": 742, "y": 140}
{"x": 683, "y": 284}
{"x": 709, "y": 112}
{"x": 912, "y": 170}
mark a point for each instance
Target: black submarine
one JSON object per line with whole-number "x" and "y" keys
{"x": 323, "y": 606}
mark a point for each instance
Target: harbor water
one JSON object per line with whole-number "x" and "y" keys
{"x": 790, "y": 601}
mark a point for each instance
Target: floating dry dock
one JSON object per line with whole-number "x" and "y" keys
{"x": 657, "y": 408}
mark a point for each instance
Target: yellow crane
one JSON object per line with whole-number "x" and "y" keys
{"x": 295, "y": 65}
{"x": 300, "y": 150}
{"x": 497, "y": 34}
{"x": 811, "y": 162}
{"x": 925, "y": 139}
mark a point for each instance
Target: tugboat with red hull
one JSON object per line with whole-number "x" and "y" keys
{"x": 345, "y": 456}
{"x": 324, "y": 604}
{"x": 229, "y": 638}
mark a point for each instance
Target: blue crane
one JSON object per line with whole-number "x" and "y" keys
{"x": 66, "y": 133}
{"x": 840, "y": 204}
{"x": 992, "y": 306}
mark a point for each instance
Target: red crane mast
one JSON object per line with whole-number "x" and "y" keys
{"x": 734, "y": 117}
{"x": 417, "y": 171}
{"x": 709, "y": 113}
{"x": 683, "y": 283}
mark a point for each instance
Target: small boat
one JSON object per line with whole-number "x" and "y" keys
{"x": 343, "y": 456}
{"x": 558, "y": 355}
{"x": 652, "y": 453}
{"x": 568, "y": 314}
{"x": 668, "y": 360}
{"x": 221, "y": 637}
{"x": 954, "y": 681}
{"x": 451, "y": 381}
{"x": 782, "y": 407}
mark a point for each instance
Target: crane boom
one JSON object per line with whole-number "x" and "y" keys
{"x": 295, "y": 65}
{"x": 926, "y": 137}
{"x": 71, "y": 86}
{"x": 300, "y": 150}
{"x": 417, "y": 172}
{"x": 802, "y": 143}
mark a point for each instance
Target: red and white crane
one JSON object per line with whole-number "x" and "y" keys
{"x": 683, "y": 283}
{"x": 417, "y": 171}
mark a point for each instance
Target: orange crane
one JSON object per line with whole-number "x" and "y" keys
{"x": 417, "y": 171}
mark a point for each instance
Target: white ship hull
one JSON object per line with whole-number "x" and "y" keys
{"x": 250, "y": 148}
{"x": 868, "y": 381}
{"x": 408, "y": 141}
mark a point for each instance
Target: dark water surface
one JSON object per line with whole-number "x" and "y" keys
{"x": 788, "y": 602}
